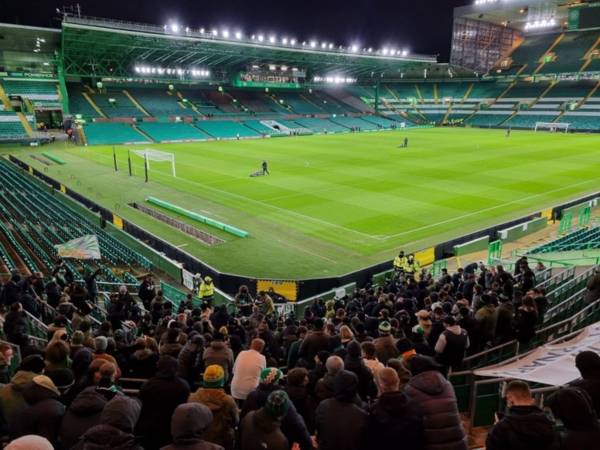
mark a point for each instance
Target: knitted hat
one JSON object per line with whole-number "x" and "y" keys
{"x": 270, "y": 375}
{"x": 277, "y": 404}
{"x": 214, "y": 376}
{"x": 100, "y": 344}
{"x": 385, "y": 327}
{"x": 46, "y": 383}
{"x": 30, "y": 442}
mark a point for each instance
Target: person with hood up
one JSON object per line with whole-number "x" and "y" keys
{"x": 219, "y": 353}
{"x": 261, "y": 429}
{"x": 44, "y": 412}
{"x": 115, "y": 431}
{"x": 188, "y": 364}
{"x": 354, "y": 363}
{"x": 443, "y": 428}
{"x": 574, "y": 409}
{"x": 224, "y": 411}
{"x": 394, "y": 417}
{"x": 160, "y": 396}
{"x": 292, "y": 424}
{"x": 588, "y": 364}
{"x": 189, "y": 423}
{"x": 142, "y": 363}
{"x": 525, "y": 426}
{"x": 340, "y": 424}
{"x": 12, "y": 401}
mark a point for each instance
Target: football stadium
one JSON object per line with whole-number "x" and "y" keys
{"x": 216, "y": 239}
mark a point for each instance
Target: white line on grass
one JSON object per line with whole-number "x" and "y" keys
{"x": 491, "y": 208}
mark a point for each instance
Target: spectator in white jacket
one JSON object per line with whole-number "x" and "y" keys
{"x": 246, "y": 370}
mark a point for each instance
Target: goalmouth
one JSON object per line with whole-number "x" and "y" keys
{"x": 552, "y": 126}
{"x": 150, "y": 154}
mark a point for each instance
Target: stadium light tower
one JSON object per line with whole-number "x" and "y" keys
{"x": 284, "y": 41}
{"x": 292, "y": 41}
{"x": 225, "y": 33}
{"x": 272, "y": 39}
{"x": 175, "y": 27}
{"x": 261, "y": 38}
{"x": 354, "y": 48}
{"x": 238, "y": 35}
{"x": 313, "y": 44}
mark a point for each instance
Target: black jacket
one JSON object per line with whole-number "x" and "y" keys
{"x": 523, "y": 428}
{"x": 83, "y": 414}
{"x": 396, "y": 419}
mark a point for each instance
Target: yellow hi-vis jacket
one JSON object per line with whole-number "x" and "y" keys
{"x": 206, "y": 290}
{"x": 400, "y": 262}
{"x": 413, "y": 267}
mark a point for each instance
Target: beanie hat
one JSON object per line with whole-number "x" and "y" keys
{"x": 214, "y": 376}
{"x": 30, "y": 442}
{"x": 46, "y": 383}
{"x": 270, "y": 375}
{"x": 100, "y": 344}
{"x": 33, "y": 363}
{"x": 277, "y": 404}
{"x": 385, "y": 327}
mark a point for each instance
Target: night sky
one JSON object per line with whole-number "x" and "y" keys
{"x": 423, "y": 26}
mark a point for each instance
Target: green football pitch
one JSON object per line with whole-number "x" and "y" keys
{"x": 337, "y": 203}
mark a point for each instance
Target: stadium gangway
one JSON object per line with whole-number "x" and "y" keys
{"x": 564, "y": 290}
{"x": 565, "y": 306}
{"x": 36, "y": 327}
{"x": 557, "y": 279}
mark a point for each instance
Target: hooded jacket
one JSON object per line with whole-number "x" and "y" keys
{"x": 142, "y": 364}
{"x": 218, "y": 353}
{"x": 348, "y": 430}
{"x": 395, "y": 418}
{"x": 12, "y": 402}
{"x": 83, "y": 414}
{"x": 354, "y": 363}
{"x": 260, "y": 431}
{"x": 42, "y": 416}
{"x": 442, "y": 425}
{"x": 225, "y": 414}
{"x": 115, "y": 431}
{"x": 588, "y": 364}
{"x": 189, "y": 422}
{"x": 523, "y": 428}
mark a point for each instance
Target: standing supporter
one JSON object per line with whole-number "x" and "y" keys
{"x": 314, "y": 342}
{"x": 188, "y": 361}
{"x": 207, "y": 291}
{"x": 524, "y": 427}
{"x": 355, "y": 364}
{"x": 297, "y": 390}
{"x": 385, "y": 344}
{"x": 219, "y": 353}
{"x": 324, "y": 388}
{"x": 188, "y": 428}
{"x": 370, "y": 359}
{"x": 435, "y": 395}
{"x": 225, "y": 413}
{"x": 588, "y": 364}
{"x": 526, "y": 319}
{"x": 100, "y": 347}
{"x": 261, "y": 429}
{"x": 341, "y": 424}
{"x": 246, "y": 370}
{"x": 160, "y": 396}
{"x": 394, "y": 417}
{"x": 451, "y": 345}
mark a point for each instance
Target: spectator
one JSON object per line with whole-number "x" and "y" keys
{"x": 524, "y": 427}
{"x": 147, "y": 291}
{"x": 100, "y": 346}
{"x": 206, "y": 291}
{"x": 261, "y": 429}
{"x": 314, "y": 342}
{"x": 435, "y": 395}
{"x": 297, "y": 390}
{"x": 246, "y": 370}
{"x": 188, "y": 426}
{"x": 574, "y": 409}
{"x": 451, "y": 345}
{"x": 504, "y": 314}
{"x": 188, "y": 361}
{"x": 370, "y": 358}
{"x": 354, "y": 363}
{"x": 588, "y": 364}
{"x": 324, "y": 388}
{"x": 44, "y": 412}
{"x": 526, "y": 321}
{"x": 30, "y": 442}
{"x": 171, "y": 346}
{"x": 394, "y": 418}
{"x": 349, "y": 429}
{"x": 115, "y": 431}
{"x": 6, "y": 356}
{"x": 219, "y": 353}
{"x": 224, "y": 411}
{"x": 57, "y": 365}
{"x": 142, "y": 363}
{"x": 160, "y": 396}
{"x": 385, "y": 345}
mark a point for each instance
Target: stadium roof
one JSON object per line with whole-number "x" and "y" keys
{"x": 24, "y": 48}
{"x": 108, "y": 48}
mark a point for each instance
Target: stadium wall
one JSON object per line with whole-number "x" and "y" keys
{"x": 229, "y": 283}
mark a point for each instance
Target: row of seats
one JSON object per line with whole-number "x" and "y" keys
{"x": 579, "y": 240}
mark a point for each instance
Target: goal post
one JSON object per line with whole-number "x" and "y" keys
{"x": 552, "y": 126}
{"x": 149, "y": 154}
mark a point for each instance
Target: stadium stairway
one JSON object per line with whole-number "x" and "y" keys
{"x": 554, "y": 44}
{"x": 93, "y": 104}
{"x": 135, "y": 102}
{"x": 588, "y": 57}
{"x": 4, "y": 99}
{"x": 143, "y": 133}
{"x": 26, "y": 125}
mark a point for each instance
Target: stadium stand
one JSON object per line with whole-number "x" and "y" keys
{"x": 322, "y": 125}
{"x": 583, "y": 239}
{"x": 527, "y": 56}
{"x": 172, "y": 132}
{"x": 568, "y": 55}
{"x": 115, "y": 103}
{"x": 160, "y": 102}
{"x": 42, "y": 94}
{"x": 111, "y": 133}
{"x": 11, "y": 127}
{"x": 225, "y": 129}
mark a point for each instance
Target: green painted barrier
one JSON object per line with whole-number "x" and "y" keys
{"x": 476, "y": 245}
{"x": 173, "y": 294}
{"x": 56, "y": 159}
{"x": 198, "y": 217}
{"x": 518, "y": 231}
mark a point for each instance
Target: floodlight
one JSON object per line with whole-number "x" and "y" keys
{"x": 313, "y": 44}
{"x": 202, "y": 30}
{"x": 175, "y": 28}
{"x": 284, "y": 41}
{"x": 330, "y": 46}
{"x": 323, "y": 44}
{"x": 393, "y": 52}
{"x": 187, "y": 29}
{"x": 370, "y": 50}
{"x": 179, "y": 71}
{"x": 385, "y": 51}
{"x": 225, "y": 33}
{"x": 261, "y": 38}
{"x": 292, "y": 41}
{"x": 238, "y": 35}
{"x": 272, "y": 39}
{"x": 215, "y": 32}
{"x": 354, "y": 48}
{"x": 284, "y": 68}
{"x": 136, "y": 69}
{"x": 405, "y": 52}
{"x": 272, "y": 67}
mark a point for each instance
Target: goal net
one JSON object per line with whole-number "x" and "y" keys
{"x": 149, "y": 154}
{"x": 551, "y": 126}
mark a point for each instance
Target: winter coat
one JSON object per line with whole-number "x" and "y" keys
{"x": 292, "y": 424}
{"x": 259, "y": 431}
{"x": 526, "y": 321}
{"x": 115, "y": 431}
{"x": 312, "y": 344}
{"x": 593, "y": 288}
{"x": 12, "y": 402}
{"x": 366, "y": 384}
{"x": 187, "y": 361}
{"x": 246, "y": 373}
{"x": 385, "y": 349}
{"x": 523, "y": 428}
{"x": 218, "y": 353}
{"x": 188, "y": 429}
{"x": 442, "y": 425}
{"x": 160, "y": 396}
{"x": 142, "y": 364}
{"x": 304, "y": 404}
{"x": 83, "y": 413}
{"x": 395, "y": 418}
{"x": 591, "y": 385}
{"x": 340, "y": 423}
{"x": 225, "y": 413}
{"x": 42, "y": 416}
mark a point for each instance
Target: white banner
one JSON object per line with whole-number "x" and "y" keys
{"x": 187, "y": 279}
{"x": 550, "y": 364}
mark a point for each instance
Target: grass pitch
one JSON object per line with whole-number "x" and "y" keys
{"x": 336, "y": 203}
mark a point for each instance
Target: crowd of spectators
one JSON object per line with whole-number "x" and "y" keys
{"x": 362, "y": 371}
